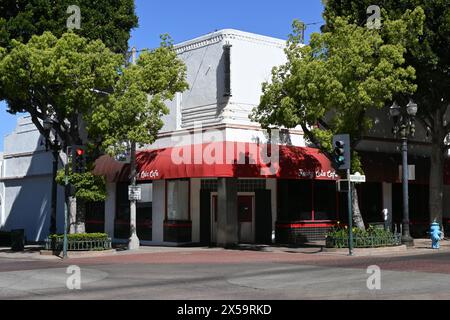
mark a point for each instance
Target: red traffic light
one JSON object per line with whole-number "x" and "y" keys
{"x": 79, "y": 152}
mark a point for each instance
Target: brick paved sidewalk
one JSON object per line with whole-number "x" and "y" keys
{"x": 422, "y": 246}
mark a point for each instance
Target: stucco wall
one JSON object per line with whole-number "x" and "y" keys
{"x": 2, "y": 193}
{"x": 252, "y": 59}
{"x": 27, "y": 180}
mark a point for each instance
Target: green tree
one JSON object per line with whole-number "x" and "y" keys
{"x": 59, "y": 79}
{"x": 137, "y": 103}
{"x": 108, "y": 20}
{"x": 137, "y": 99}
{"x": 430, "y": 58}
{"x": 328, "y": 86}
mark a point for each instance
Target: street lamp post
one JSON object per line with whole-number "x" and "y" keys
{"x": 48, "y": 126}
{"x": 404, "y": 125}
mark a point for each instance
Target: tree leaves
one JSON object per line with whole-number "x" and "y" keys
{"x": 137, "y": 102}
{"x": 327, "y": 87}
{"x": 109, "y": 21}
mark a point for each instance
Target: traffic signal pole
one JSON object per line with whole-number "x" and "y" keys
{"x": 350, "y": 214}
{"x": 66, "y": 211}
{"x": 342, "y": 160}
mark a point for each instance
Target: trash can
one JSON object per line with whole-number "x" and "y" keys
{"x": 18, "y": 240}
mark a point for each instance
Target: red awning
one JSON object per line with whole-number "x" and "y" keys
{"x": 111, "y": 169}
{"x": 234, "y": 159}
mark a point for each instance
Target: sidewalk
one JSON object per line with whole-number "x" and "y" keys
{"x": 30, "y": 253}
{"x": 422, "y": 246}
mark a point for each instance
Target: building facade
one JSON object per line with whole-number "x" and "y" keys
{"x": 2, "y": 191}
{"x": 26, "y": 181}
{"x": 215, "y": 177}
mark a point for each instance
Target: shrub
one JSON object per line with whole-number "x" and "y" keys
{"x": 371, "y": 237}
{"x": 82, "y": 237}
{"x": 80, "y": 242}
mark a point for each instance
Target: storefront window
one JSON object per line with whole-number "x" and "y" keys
{"x": 143, "y": 212}
{"x": 419, "y": 210}
{"x": 178, "y": 200}
{"x": 307, "y": 200}
{"x": 295, "y": 200}
{"x": 325, "y": 200}
{"x": 371, "y": 201}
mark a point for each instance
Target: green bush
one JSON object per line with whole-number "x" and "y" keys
{"x": 82, "y": 237}
{"x": 80, "y": 242}
{"x": 371, "y": 237}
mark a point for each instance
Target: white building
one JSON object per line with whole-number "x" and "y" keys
{"x": 27, "y": 183}
{"x": 225, "y": 72}
{"x": 226, "y": 200}
{"x": 2, "y": 192}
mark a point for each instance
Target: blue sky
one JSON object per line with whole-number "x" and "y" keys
{"x": 185, "y": 20}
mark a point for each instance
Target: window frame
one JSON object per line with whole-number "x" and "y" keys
{"x": 166, "y": 216}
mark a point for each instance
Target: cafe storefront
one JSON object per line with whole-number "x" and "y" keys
{"x": 241, "y": 198}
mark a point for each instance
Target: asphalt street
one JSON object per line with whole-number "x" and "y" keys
{"x": 228, "y": 275}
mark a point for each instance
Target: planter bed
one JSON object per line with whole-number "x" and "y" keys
{"x": 364, "y": 242}
{"x": 79, "y": 243}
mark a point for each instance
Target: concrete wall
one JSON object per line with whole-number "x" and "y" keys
{"x": 272, "y": 185}
{"x": 252, "y": 59}
{"x": 159, "y": 210}
{"x": 27, "y": 183}
{"x": 195, "y": 209}
{"x": 110, "y": 209}
{"x": 2, "y": 193}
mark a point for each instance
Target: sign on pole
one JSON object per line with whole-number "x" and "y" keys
{"x": 134, "y": 193}
{"x": 357, "y": 178}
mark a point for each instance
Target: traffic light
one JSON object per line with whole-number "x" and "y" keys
{"x": 341, "y": 154}
{"x": 79, "y": 159}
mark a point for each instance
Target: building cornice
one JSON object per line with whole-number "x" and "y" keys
{"x": 27, "y": 177}
{"x": 23, "y": 154}
{"x": 224, "y": 36}
{"x": 222, "y": 126}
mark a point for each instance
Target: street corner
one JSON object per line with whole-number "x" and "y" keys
{"x": 31, "y": 282}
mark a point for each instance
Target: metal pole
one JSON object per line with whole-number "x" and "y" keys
{"x": 66, "y": 183}
{"x": 406, "y": 237}
{"x": 350, "y": 215}
{"x": 134, "y": 242}
{"x": 54, "y": 191}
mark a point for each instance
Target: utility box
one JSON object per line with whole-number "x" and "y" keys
{"x": 18, "y": 240}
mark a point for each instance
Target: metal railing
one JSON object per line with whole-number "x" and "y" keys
{"x": 78, "y": 245}
{"x": 365, "y": 242}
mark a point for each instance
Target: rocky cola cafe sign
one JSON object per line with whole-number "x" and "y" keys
{"x": 318, "y": 174}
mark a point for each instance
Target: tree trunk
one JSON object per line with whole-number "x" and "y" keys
{"x": 73, "y": 215}
{"x": 437, "y": 171}
{"x": 77, "y": 216}
{"x": 357, "y": 217}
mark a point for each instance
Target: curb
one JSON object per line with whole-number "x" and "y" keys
{"x": 81, "y": 254}
{"x": 367, "y": 251}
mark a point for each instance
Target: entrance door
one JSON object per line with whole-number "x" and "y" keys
{"x": 246, "y": 218}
